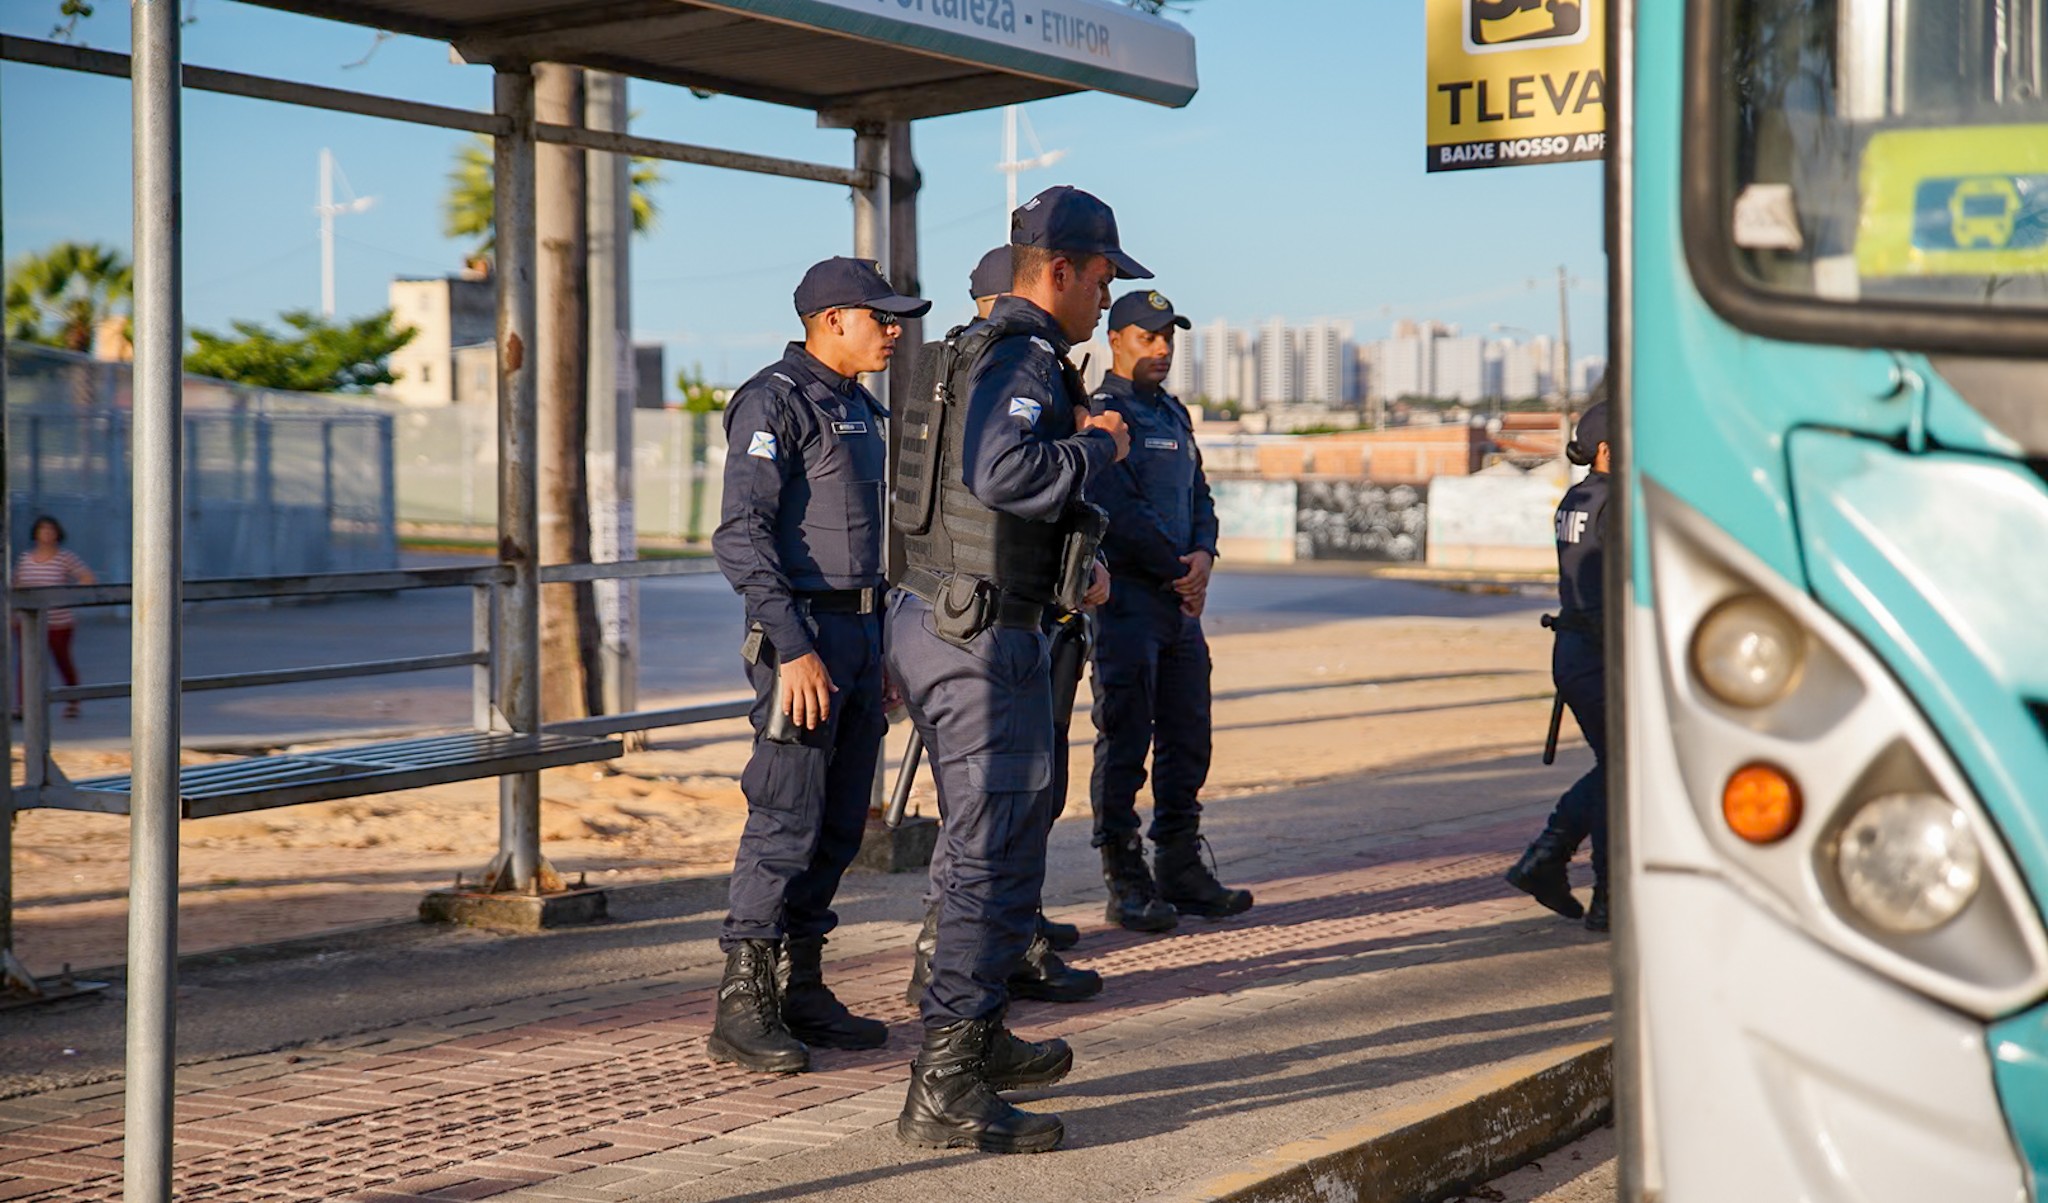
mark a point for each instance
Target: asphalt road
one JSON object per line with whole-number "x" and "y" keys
{"x": 690, "y": 633}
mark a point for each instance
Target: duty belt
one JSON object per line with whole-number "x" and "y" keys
{"x": 841, "y": 601}
{"x": 1576, "y": 622}
{"x": 1009, "y": 609}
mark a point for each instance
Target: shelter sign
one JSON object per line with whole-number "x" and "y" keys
{"x": 1513, "y": 82}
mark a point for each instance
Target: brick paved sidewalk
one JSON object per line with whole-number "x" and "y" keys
{"x": 607, "y": 1094}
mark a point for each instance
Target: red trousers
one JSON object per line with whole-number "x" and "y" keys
{"x": 60, "y": 651}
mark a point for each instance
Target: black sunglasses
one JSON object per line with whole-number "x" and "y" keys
{"x": 886, "y": 320}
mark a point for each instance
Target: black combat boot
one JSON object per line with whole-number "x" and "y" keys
{"x": 1188, "y": 885}
{"x": 1134, "y": 902}
{"x": 951, "y": 1104}
{"x": 749, "y": 1027}
{"x": 1541, "y": 873}
{"x": 1043, "y": 976}
{"x": 1596, "y": 915}
{"x": 921, "y": 957}
{"x": 1061, "y": 936}
{"x": 810, "y": 1010}
{"x": 1015, "y": 1063}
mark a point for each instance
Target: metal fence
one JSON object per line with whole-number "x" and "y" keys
{"x": 448, "y": 464}
{"x": 276, "y": 483}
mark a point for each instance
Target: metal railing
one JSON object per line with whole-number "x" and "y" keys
{"x": 45, "y": 785}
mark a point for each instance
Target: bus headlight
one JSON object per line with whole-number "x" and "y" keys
{"x": 1748, "y": 652}
{"x": 1908, "y": 862}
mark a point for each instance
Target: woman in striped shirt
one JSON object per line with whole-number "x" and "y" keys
{"x": 45, "y": 564}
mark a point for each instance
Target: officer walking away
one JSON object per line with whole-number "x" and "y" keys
{"x": 1151, "y": 659}
{"x": 1578, "y": 666}
{"x": 801, "y": 538}
{"x": 989, "y": 498}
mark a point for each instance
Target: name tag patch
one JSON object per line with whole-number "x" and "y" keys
{"x": 1027, "y": 409}
{"x": 762, "y": 445}
{"x": 849, "y": 428}
{"x": 1162, "y": 444}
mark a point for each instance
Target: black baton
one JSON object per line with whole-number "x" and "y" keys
{"x": 1550, "y": 744}
{"x": 899, "y": 799}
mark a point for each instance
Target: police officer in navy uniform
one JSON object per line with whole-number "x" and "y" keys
{"x": 1579, "y": 667}
{"x": 801, "y": 538}
{"x": 999, "y": 532}
{"x": 1151, "y": 659}
{"x": 1041, "y": 974}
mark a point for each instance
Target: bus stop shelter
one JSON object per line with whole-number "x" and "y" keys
{"x": 871, "y": 66}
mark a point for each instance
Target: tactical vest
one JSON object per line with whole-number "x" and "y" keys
{"x": 947, "y": 531}
{"x": 829, "y": 526}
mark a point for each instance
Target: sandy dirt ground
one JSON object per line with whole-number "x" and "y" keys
{"x": 1293, "y": 706}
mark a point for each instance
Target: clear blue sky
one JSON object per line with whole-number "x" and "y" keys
{"x": 1292, "y": 185}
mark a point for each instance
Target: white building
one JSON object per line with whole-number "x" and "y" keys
{"x": 1461, "y": 369}
{"x": 1183, "y": 380}
{"x": 1222, "y": 349}
{"x": 1279, "y": 382}
{"x": 450, "y": 313}
{"x": 1587, "y": 372}
{"x": 1525, "y": 369}
{"x": 1328, "y": 371}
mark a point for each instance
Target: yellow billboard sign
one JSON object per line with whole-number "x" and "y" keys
{"x": 1513, "y": 82}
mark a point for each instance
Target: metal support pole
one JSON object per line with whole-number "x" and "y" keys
{"x": 266, "y": 499}
{"x": 35, "y": 698}
{"x": 13, "y": 976}
{"x": 481, "y": 627}
{"x": 609, "y": 466}
{"x": 518, "y": 863}
{"x": 154, "y": 802}
{"x": 905, "y": 182}
{"x": 387, "y": 489}
{"x": 871, "y": 212}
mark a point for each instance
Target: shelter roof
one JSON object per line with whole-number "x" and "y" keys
{"x": 849, "y": 60}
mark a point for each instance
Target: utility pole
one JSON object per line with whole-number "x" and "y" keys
{"x": 568, "y": 626}
{"x": 1012, "y": 166}
{"x": 328, "y": 210}
{"x": 612, "y": 388}
{"x": 1564, "y": 341}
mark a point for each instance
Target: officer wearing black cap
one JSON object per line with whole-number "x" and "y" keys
{"x": 989, "y": 497}
{"x": 801, "y": 538}
{"x": 1578, "y": 665}
{"x": 989, "y": 280}
{"x": 1151, "y": 658}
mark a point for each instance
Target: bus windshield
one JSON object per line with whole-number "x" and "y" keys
{"x": 1890, "y": 149}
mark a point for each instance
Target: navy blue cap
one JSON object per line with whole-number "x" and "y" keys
{"x": 1592, "y": 431}
{"x": 1064, "y": 218}
{"x": 1147, "y": 311}
{"x": 843, "y": 283}
{"x": 991, "y": 276}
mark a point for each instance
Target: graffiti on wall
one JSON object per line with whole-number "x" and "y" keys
{"x": 1358, "y": 520}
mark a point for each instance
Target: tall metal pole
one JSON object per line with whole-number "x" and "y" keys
{"x": 1010, "y": 165}
{"x": 13, "y": 976}
{"x": 1564, "y": 342}
{"x": 518, "y": 862}
{"x": 326, "y": 232}
{"x": 612, "y": 389}
{"x": 155, "y": 670}
{"x": 871, "y": 212}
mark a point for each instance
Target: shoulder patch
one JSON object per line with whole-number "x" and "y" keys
{"x": 1027, "y": 409}
{"x": 1042, "y": 345}
{"x": 762, "y": 446}
{"x": 786, "y": 380}
{"x": 1102, "y": 397}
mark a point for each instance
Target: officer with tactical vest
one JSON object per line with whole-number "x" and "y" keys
{"x": 989, "y": 497}
{"x": 800, "y": 537}
{"x": 1041, "y": 975}
{"x": 1578, "y": 665}
{"x": 1151, "y": 658}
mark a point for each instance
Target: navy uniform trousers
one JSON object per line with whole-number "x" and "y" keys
{"x": 1578, "y": 666}
{"x": 985, "y": 713}
{"x": 807, "y": 802}
{"x": 1151, "y": 697}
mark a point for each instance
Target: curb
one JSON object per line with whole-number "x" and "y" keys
{"x": 1426, "y": 1151}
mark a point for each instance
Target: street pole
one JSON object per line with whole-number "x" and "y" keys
{"x": 158, "y": 598}
{"x": 1564, "y": 342}
{"x": 609, "y": 463}
{"x": 518, "y": 865}
{"x": 871, "y": 212}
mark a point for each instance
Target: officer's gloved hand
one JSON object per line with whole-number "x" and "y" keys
{"x": 1113, "y": 422}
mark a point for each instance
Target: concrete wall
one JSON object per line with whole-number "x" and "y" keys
{"x": 1494, "y": 521}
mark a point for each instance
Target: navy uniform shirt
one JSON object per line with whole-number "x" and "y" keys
{"x": 1581, "y": 530}
{"x": 1023, "y": 455}
{"x": 805, "y": 464}
{"x": 1158, "y": 499}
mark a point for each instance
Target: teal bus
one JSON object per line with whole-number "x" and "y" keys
{"x": 1828, "y": 235}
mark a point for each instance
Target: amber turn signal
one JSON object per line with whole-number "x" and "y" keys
{"x": 1760, "y": 803}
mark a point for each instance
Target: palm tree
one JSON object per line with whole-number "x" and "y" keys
{"x": 60, "y": 297}
{"x": 466, "y": 212}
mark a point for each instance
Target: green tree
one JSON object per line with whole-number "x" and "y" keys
{"x": 699, "y": 397}
{"x": 312, "y": 355}
{"x": 467, "y": 209}
{"x": 59, "y": 297}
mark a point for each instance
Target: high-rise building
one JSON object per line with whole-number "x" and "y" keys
{"x": 1184, "y": 378}
{"x": 1279, "y": 382}
{"x": 1327, "y": 373}
{"x": 1461, "y": 369}
{"x": 1587, "y": 372}
{"x": 1221, "y": 349}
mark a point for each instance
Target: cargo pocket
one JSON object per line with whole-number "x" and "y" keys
{"x": 1011, "y": 783}
{"x": 785, "y": 779}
